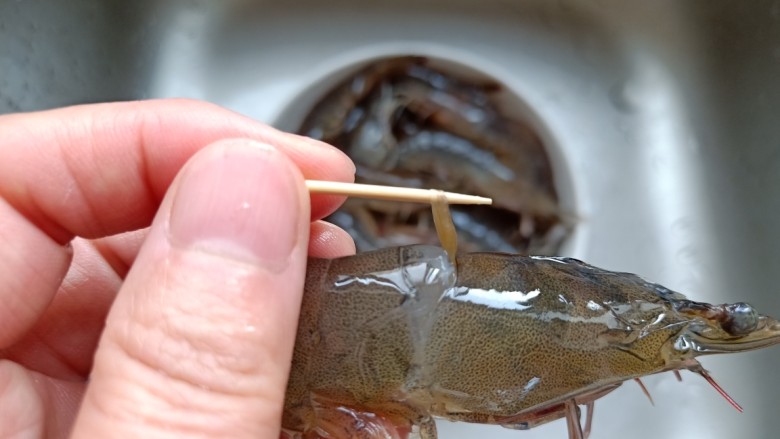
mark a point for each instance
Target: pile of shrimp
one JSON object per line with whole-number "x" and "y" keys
{"x": 405, "y": 123}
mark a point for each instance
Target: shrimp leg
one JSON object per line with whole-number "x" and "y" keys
{"x": 573, "y": 420}
{"x": 588, "y": 419}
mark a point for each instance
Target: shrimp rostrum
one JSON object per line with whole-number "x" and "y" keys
{"x": 391, "y": 339}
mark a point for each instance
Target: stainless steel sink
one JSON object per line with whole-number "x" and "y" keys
{"x": 664, "y": 118}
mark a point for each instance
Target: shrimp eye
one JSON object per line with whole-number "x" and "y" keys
{"x": 741, "y": 319}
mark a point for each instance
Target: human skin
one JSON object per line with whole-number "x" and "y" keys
{"x": 152, "y": 257}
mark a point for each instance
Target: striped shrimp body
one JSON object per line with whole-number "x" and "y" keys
{"x": 389, "y": 340}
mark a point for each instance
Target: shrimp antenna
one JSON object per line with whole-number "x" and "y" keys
{"x": 644, "y": 390}
{"x": 720, "y": 390}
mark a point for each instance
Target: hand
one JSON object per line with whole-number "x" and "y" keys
{"x": 186, "y": 328}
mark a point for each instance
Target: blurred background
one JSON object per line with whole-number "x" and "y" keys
{"x": 660, "y": 120}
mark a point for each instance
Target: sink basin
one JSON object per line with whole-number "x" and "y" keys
{"x": 662, "y": 116}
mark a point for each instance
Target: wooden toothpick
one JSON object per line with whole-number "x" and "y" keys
{"x": 393, "y": 193}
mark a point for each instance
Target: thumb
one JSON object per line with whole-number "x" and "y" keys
{"x": 200, "y": 337}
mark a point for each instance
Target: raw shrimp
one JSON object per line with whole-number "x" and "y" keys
{"x": 405, "y": 123}
{"x": 328, "y": 118}
{"x": 391, "y": 339}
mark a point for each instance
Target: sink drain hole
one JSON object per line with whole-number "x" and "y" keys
{"x": 424, "y": 122}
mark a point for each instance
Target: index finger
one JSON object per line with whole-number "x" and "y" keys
{"x": 97, "y": 170}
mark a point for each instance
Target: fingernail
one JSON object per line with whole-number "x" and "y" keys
{"x": 238, "y": 199}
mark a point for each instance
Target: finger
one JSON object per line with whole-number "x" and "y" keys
{"x": 120, "y": 251}
{"x": 65, "y": 169}
{"x": 17, "y": 390}
{"x": 30, "y": 262}
{"x": 62, "y": 342}
{"x": 199, "y": 340}
{"x": 327, "y": 240}
{"x": 34, "y": 405}
{"x": 99, "y": 170}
